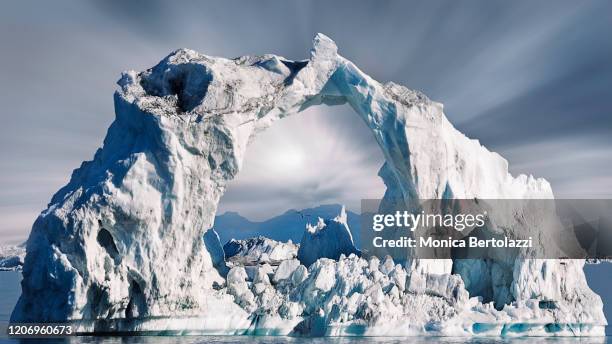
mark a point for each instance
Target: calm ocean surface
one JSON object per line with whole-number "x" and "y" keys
{"x": 599, "y": 276}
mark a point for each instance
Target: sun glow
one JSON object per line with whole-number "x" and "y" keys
{"x": 287, "y": 159}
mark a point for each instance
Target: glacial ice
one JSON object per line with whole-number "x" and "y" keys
{"x": 122, "y": 246}
{"x": 327, "y": 239}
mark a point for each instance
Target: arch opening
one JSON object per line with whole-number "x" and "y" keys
{"x": 305, "y": 166}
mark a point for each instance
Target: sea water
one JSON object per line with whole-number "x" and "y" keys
{"x": 599, "y": 277}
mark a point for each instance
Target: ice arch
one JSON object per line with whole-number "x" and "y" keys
{"x": 123, "y": 239}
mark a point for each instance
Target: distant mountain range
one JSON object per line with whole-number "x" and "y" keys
{"x": 287, "y": 226}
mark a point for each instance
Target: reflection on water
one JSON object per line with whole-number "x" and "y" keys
{"x": 599, "y": 277}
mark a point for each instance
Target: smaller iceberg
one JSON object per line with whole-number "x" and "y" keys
{"x": 327, "y": 239}
{"x": 11, "y": 257}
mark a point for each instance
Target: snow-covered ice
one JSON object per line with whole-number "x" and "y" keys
{"x": 122, "y": 246}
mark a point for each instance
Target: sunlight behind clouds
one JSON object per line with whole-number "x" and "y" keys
{"x": 305, "y": 160}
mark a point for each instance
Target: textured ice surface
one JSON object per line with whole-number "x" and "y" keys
{"x": 258, "y": 250}
{"x": 329, "y": 238}
{"x": 120, "y": 247}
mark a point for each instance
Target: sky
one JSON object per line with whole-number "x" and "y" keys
{"x": 530, "y": 80}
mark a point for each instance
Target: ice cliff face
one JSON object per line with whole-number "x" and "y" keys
{"x": 121, "y": 248}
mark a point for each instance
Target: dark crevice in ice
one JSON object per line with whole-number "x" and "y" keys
{"x": 189, "y": 82}
{"x": 137, "y": 304}
{"x": 106, "y": 240}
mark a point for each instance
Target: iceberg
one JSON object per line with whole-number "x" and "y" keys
{"x": 11, "y": 257}
{"x": 123, "y": 247}
{"x": 327, "y": 239}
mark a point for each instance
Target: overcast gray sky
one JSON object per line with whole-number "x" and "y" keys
{"x": 531, "y": 80}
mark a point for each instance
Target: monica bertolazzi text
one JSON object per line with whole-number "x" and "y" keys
{"x": 471, "y": 242}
